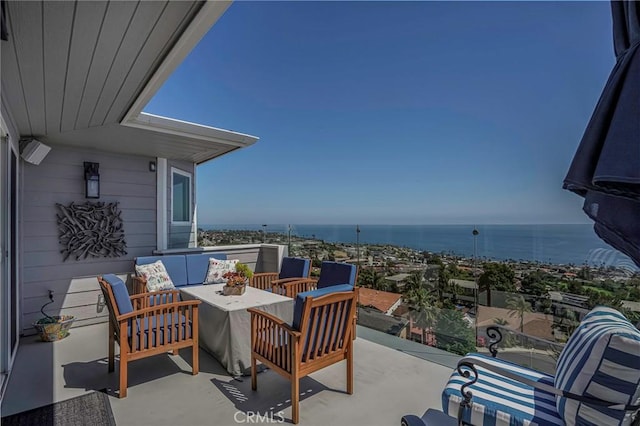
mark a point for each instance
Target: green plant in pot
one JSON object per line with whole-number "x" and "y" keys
{"x": 237, "y": 281}
{"x": 52, "y": 328}
{"x": 244, "y": 270}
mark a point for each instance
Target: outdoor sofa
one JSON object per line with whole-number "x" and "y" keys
{"x": 183, "y": 269}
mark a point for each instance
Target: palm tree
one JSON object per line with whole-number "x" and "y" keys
{"x": 426, "y": 317}
{"x": 364, "y": 277}
{"x": 508, "y": 339}
{"x": 414, "y": 281}
{"x": 417, "y": 297}
{"x": 444, "y": 275}
{"x": 369, "y": 277}
{"x": 500, "y": 321}
{"x": 378, "y": 282}
{"x": 425, "y": 313}
{"x": 518, "y": 306}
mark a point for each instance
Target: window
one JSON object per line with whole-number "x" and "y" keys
{"x": 180, "y": 196}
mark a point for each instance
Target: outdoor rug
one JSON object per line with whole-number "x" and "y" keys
{"x": 91, "y": 409}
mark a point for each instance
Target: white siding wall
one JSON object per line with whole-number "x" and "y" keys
{"x": 60, "y": 179}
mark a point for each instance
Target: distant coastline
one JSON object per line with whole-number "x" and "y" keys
{"x": 575, "y": 244}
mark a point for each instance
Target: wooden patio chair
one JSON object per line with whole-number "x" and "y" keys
{"x": 321, "y": 335}
{"x": 331, "y": 273}
{"x": 292, "y": 268}
{"x": 147, "y": 324}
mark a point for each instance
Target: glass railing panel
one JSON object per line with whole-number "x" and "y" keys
{"x": 441, "y": 287}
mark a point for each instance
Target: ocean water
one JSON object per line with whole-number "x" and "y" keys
{"x": 557, "y": 244}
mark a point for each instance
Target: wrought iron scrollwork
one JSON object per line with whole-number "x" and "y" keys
{"x": 466, "y": 370}
{"x": 495, "y": 335}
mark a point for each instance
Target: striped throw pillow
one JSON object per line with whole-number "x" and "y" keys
{"x": 601, "y": 360}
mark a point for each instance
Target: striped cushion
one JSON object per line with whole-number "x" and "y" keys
{"x": 498, "y": 400}
{"x": 601, "y": 360}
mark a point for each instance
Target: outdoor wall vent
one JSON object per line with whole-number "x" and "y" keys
{"x": 34, "y": 151}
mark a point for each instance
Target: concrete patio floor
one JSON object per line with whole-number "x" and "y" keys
{"x": 162, "y": 391}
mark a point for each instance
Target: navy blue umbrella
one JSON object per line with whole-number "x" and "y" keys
{"x": 606, "y": 167}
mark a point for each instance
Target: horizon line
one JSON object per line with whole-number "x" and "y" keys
{"x": 394, "y": 224}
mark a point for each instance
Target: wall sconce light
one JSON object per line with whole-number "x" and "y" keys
{"x": 91, "y": 180}
{"x": 152, "y": 166}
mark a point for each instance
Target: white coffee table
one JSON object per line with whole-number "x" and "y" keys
{"x": 225, "y": 325}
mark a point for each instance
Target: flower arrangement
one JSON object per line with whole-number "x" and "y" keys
{"x": 239, "y": 277}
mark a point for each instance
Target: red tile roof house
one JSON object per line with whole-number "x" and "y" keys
{"x": 384, "y": 301}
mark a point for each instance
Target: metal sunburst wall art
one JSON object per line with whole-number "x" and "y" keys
{"x": 90, "y": 229}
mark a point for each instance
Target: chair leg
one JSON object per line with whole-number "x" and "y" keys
{"x": 295, "y": 399}
{"x": 254, "y": 374}
{"x": 174, "y": 352}
{"x": 123, "y": 374}
{"x": 355, "y": 322}
{"x": 350, "y": 369}
{"x": 112, "y": 349}
{"x": 195, "y": 360}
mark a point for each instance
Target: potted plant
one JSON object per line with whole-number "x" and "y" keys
{"x": 237, "y": 281}
{"x": 52, "y": 328}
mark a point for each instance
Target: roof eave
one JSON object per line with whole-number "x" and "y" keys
{"x": 207, "y": 16}
{"x": 180, "y": 128}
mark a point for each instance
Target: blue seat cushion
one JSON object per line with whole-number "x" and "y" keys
{"x": 332, "y": 273}
{"x": 175, "y": 265}
{"x": 198, "y": 265}
{"x": 293, "y": 267}
{"x": 498, "y": 397}
{"x": 120, "y": 293}
{"x": 301, "y": 297}
{"x": 600, "y": 360}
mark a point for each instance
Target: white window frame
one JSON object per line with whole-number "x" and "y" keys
{"x": 190, "y": 211}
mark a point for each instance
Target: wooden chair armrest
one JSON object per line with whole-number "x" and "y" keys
{"x": 264, "y": 274}
{"x": 275, "y": 320}
{"x": 285, "y": 280}
{"x": 158, "y": 309}
{"x": 293, "y": 287}
{"x": 262, "y": 280}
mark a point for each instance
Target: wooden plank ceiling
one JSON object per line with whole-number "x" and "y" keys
{"x": 75, "y": 65}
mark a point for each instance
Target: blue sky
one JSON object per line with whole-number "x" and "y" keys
{"x": 394, "y": 113}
